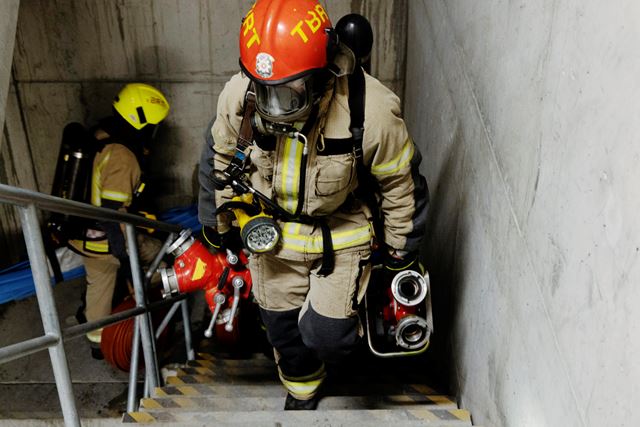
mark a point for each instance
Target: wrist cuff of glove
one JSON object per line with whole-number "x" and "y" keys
{"x": 398, "y": 264}
{"x": 211, "y": 237}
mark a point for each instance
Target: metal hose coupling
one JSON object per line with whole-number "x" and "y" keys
{"x": 410, "y": 288}
{"x": 412, "y": 332}
{"x": 170, "y": 284}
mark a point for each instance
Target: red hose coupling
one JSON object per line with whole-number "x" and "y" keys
{"x": 408, "y": 293}
{"x": 195, "y": 268}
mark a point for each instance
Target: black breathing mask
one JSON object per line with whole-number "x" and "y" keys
{"x": 267, "y": 127}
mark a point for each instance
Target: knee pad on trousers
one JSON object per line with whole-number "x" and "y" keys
{"x": 296, "y": 360}
{"x": 331, "y": 339}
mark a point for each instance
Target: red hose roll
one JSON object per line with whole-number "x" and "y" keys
{"x": 116, "y": 343}
{"x": 117, "y": 339}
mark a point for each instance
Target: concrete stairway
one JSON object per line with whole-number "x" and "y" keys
{"x": 231, "y": 392}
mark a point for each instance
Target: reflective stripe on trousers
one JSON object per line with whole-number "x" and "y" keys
{"x": 303, "y": 388}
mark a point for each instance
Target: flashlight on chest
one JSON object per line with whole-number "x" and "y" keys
{"x": 259, "y": 231}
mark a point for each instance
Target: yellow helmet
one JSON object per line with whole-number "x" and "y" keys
{"x": 140, "y": 104}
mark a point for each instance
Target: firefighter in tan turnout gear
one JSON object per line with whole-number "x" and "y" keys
{"x": 116, "y": 179}
{"x": 328, "y": 148}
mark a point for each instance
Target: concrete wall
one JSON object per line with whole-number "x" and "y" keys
{"x": 527, "y": 115}
{"x": 8, "y": 219}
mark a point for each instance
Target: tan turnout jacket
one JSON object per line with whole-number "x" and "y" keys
{"x": 330, "y": 180}
{"x": 115, "y": 177}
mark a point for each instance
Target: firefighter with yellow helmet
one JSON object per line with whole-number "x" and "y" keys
{"x": 328, "y": 148}
{"x": 122, "y": 141}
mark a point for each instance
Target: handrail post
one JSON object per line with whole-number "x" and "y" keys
{"x": 48, "y": 312}
{"x": 132, "y": 404}
{"x": 186, "y": 325}
{"x": 146, "y": 333}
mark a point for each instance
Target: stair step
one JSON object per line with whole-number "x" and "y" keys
{"x": 212, "y": 357}
{"x": 266, "y": 390}
{"x": 399, "y": 417}
{"x": 362, "y": 371}
{"x": 256, "y": 379}
{"x": 264, "y": 365}
{"x": 226, "y": 370}
{"x": 258, "y": 362}
{"x": 276, "y": 402}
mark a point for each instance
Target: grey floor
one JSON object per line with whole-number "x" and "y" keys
{"x": 27, "y": 387}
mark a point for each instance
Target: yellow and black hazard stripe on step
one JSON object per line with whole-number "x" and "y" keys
{"x": 224, "y": 370}
{"x": 440, "y": 414}
{"x": 190, "y": 379}
{"x": 206, "y": 356}
{"x": 231, "y": 363}
{"x": 437, "y": 400}
{"x": 440, "y": 400}
{"x": 145, "y": 418}
{"x": 422, "y": 389}
{"x": 186, "y": 390}
{"x": 195, "y": 370}
{"x": 168, "y": 403}
{"x": 431, "y": 395}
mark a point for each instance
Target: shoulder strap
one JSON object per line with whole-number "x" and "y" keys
{"x": 366, "y": 189}
{"x": 245, "y": 134}
{"x": 356, "y": 108}
{"x": 245, "y": 140}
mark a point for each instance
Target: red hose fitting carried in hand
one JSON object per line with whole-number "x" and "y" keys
{"x": 398, "y": 313}
{"x": 224, "y": 277}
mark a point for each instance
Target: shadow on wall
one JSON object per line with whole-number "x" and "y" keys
{"x": 442, "y": 253}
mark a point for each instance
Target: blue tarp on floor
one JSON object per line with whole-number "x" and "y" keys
{"x": 16, "y": 282}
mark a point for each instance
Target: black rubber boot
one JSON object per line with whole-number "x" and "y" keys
{"x": 293, "y": 404}
{"x": 96, "y": 352}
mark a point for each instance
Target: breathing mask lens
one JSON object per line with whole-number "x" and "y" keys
{"x": 284, "y": 102}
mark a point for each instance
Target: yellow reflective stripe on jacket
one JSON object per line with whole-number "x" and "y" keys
{"x": 303, "y": 388}
{"x": 313, "y": 244}
{"x": 290, "y": 183}
{"x": 96, "y": 180}
{"x": 116, "y": 196}
{"x": 98, "y": 193}
{"x": 292, "y": 228}
{"x": 400, "y": 161}
{"x": 101, "y": 246}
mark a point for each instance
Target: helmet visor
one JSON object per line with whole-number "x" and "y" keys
{"x": 284, "y": 102}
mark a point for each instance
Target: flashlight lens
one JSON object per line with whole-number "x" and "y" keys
{"x": 261, "y": 234}
{"x": 262, "y": 239}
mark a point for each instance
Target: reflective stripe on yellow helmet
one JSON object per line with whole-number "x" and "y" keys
{"x": 293, "y": 240}
{"x": 303, "y": 388}
{"x": 140, "y": 103}
{"x": 400, "y": 161}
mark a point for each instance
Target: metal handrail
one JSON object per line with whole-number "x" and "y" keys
{"x": 27, "y": 202}
{"x": 23, "y": 197}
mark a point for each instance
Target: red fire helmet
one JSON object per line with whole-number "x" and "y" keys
{"x": 283, "y": 40}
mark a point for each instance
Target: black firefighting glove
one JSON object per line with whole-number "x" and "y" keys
{"x": 396, "y": 261}
{"x": 221, "y": 241}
